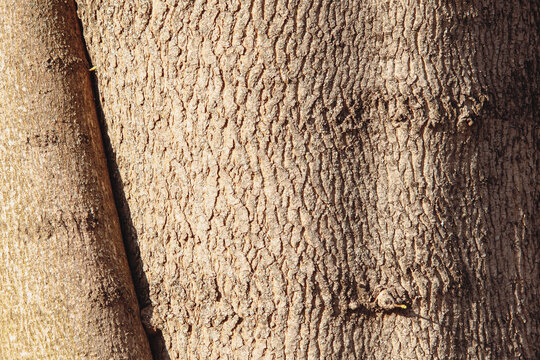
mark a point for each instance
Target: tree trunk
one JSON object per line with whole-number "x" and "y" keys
{"x": 65, "y": 287}
{"x": 326, "y": 179}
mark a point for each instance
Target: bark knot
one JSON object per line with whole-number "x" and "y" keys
{"x": 391, "y": 298}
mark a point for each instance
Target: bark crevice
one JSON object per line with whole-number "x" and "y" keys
{"x": 140, "y": 282}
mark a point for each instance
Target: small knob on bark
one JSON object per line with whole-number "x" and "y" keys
{"x": 392, "y": 298}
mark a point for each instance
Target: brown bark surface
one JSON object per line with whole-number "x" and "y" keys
{"x": 290, "y": 172}
{"x": 65, "y": 287}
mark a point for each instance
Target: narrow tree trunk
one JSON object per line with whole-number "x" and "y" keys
{"x": 327, "y": 179}
{"x": 65, "y": 287}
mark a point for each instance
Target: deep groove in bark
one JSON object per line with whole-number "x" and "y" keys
{"x": 140, "y": 282}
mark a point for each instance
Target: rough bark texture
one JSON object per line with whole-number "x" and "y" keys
{"x": 289, "y": 172}
{"x": 65, "y": 287}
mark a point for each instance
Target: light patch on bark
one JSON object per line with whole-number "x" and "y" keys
{"x": 65, "y": 287}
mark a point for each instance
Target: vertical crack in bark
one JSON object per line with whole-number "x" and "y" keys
{"x": 140, "y": 283}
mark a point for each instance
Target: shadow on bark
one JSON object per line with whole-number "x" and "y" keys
{"x": 129, "y": 233}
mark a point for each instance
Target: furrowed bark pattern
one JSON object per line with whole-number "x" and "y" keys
{"x": 283, "y": 160}
{"x": 65, "y": 287}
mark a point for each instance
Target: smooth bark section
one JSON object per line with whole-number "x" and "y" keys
{"x": 65, "y": 287}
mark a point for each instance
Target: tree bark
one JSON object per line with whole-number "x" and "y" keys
{"x": 326, "y": 179}
{"x": 65, "y": 286}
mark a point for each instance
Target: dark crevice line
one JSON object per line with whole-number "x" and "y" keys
{"x": 128, "y": 233}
